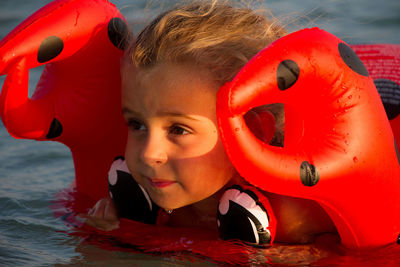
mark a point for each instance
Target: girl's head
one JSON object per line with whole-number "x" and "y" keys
{"x": 209, "y": 34}
{"x": 170, "y": 78}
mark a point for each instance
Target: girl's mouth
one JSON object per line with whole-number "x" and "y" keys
{"x": 159, "y": 183}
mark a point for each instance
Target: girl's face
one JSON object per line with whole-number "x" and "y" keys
{"x": 174, "y": 149}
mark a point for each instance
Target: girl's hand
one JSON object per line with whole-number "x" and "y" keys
{"x": 103, "y": 215}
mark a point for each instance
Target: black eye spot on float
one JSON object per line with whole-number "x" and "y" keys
{"x": 287, "y": 74}
{"x": 352, "y": 60}
{"x": 118, "y": 33}
{"x": 50, "y": 48}
{"x": 309, "y": 175}
{"x": 390, "y": 95}
{"x": 55, "y": 130}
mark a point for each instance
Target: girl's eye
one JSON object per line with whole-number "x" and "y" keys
{"x": 136, "y": 125}
{"x": 178, "y": 130}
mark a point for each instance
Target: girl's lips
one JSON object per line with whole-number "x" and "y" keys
{"x": 159, "y": 183}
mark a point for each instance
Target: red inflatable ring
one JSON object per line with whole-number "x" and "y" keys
{"x": 383, "y": 63}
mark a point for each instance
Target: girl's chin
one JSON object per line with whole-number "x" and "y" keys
{"x": 167, "y": 205}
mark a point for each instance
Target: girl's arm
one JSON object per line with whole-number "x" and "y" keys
{"x": 103, "y": 215}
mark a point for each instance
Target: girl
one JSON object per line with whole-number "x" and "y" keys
{"x": 170, "y": 78}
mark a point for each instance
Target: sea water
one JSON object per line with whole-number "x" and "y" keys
{"x": 31, "y": 173}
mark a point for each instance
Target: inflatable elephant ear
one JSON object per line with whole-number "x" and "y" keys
{"x": 338, "y": 146}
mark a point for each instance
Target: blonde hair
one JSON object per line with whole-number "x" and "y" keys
{"x": 211, "y": 34}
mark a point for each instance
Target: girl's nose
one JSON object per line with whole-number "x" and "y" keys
{"x": 154, "y": 152}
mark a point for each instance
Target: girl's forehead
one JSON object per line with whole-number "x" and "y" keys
{"x": 171, "y": 74}
{"x": 171, "y": 85}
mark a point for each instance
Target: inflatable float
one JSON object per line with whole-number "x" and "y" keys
{"x": 338, "y": 148}
{"x": 77, "y": 99}
{"x": 383, "y": 64}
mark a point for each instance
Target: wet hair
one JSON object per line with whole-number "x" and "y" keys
{"x": 212, "y": 34}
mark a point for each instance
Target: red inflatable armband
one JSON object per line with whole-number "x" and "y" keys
{"x": 338, "y": 147}
{"x": 77, "y": 100}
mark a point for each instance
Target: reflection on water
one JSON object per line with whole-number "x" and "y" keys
{"x": 31, "y": 173}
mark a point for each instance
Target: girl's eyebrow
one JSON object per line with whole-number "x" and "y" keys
{"x": 126, "y": 110}
{"x": 176, "y": 114}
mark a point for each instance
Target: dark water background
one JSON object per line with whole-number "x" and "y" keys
{"x": 32, "y": 172}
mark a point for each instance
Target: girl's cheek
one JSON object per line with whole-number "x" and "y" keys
{"x": 196, "y": 145}
{"x": 132, "y": 150}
